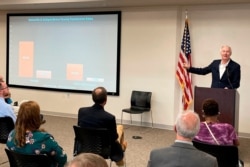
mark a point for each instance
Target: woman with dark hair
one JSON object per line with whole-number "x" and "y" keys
{"x": 211, "y": 130}
{"x": 28, "y": 138}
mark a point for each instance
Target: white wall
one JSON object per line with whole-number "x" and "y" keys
{"x": 149, "y": 52}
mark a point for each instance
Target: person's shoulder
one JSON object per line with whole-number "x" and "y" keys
{"x": 6, "y": 106}
{"x": 202, "y": 124}
{"x": 216, "y": 61}
{"x": 227, "y": 125}
{"x": 81, "y": 109}
{"x": 11, "y": 134}
{"x": 109, "y": 114}
{"x": 11, "y": 139}
{"x": 85, "y": 108}
{"x": 224, "y": 126}
{"x": 42, "y": 135}
{"x": 160, "y": 150}
{"x": 3, "y": 103}
{"x": 232, "y": 62}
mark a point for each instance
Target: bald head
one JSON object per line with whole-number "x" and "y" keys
{"x": 187, "y": 124}
{"x": 99, "y": 95}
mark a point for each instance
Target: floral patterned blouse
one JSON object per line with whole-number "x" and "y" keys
{"x": 38, "y": 142}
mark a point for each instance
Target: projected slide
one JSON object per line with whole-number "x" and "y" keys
{"x": 64, "y": 51}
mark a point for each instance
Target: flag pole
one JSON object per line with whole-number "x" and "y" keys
{"x": 186, "y": 12}
{"x": 182, "y": 74}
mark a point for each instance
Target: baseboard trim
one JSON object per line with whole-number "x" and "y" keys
{"x": 51, "y": 113}
{"x": 244, "y": 135}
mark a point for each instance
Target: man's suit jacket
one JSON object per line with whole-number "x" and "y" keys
{"x": 181, "y": 155}
{"x": 230, "y": 78}
{"x": 96, "y": 117}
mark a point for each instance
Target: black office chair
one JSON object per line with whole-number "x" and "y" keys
{"x": 92, "y": 140}
{"x": 140, "y": 102}
{"x": 27, "y": 160}
{"x": 6, "y": 125}
{"x": 227, "y": 156}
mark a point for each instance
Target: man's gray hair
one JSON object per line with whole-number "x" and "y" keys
{"x": 187, "y": 124}
{"x": 226, "y": 46}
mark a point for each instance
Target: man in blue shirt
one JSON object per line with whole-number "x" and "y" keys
{"x": 5, "y": 109}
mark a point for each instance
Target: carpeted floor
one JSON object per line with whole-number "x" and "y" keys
{"x": 138, "y": 150}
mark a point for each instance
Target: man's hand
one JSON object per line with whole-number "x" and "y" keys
{"x": 186, "y": 66}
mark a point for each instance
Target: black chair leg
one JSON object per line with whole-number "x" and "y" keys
{"x": 141, "y": 119}
{"x": 152, "y": 118}
{"x": 131, "y": 119}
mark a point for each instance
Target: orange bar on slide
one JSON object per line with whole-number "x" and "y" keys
{"x": 75, "y": 72}
{"x": 26, "y": 58}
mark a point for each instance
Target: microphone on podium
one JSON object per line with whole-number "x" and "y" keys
{"x": 228, "y": 77}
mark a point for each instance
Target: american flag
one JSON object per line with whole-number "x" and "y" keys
{"x": 182, "y": 75}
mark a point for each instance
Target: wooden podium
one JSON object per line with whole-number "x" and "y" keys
{"x": 228, "y": 100}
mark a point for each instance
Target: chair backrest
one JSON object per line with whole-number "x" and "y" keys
{"x": 27, "y": 160}
{"x": 92, "y": 140}
{"x": 6, "y": 125}
{"x": 141, "y": 100}
{"x": 227, "y": 156}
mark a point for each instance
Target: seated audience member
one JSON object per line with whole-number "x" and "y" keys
{"x": 87, "y": 160}
{"x": 28, "y": 138}
{"x": 7, "y": 95}
{"x": 43, "y": 121}
{"x": 224, "y": 133}
{"x": 214, "y": 132}
{"x": 96, "y": 117}
{"x": 5, "y": 109}
{"x": 182, "y": 152}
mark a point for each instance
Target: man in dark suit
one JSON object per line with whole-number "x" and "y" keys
{"x": 96, "y": 117}
{"x": 182, "y": 153}
{"x": 225, "y": 72}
